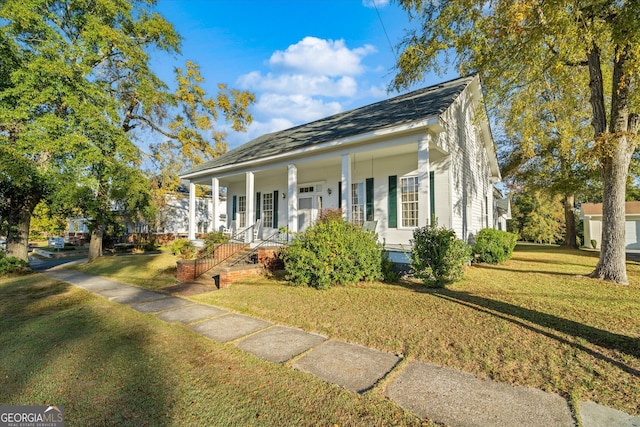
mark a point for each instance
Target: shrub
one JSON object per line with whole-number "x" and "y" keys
{"x": 211, "y": 240}
{"x": 438, "y": 256}
{"x": 333, "y": 252}
{"x": 183, "y": 249}
{"x": 494, "y": 246}
{"x": 389, "y": 274}
{"x": 12, "y": 265}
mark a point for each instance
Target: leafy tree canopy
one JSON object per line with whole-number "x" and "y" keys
{"x": 79, "y": 85}
{"x": 519, "y": 46}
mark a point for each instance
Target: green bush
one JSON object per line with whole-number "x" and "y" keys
{"x": 183, "y": 249}
{"x": 389, "y": 274}
{"x": 333, "y": 252}
{"x": 211, "y": 240}
{"x": 438, "y": 256}
{"x": 12, "y": 265}
{"x": 494, "y": 246}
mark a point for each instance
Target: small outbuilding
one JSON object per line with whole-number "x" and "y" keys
{"x": 591, "y": 214}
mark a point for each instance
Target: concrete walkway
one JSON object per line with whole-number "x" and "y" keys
{"x": 440, "y": 394}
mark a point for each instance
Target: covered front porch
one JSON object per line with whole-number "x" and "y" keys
{"x": 398, "y": 185}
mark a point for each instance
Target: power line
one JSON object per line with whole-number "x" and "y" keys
{"x": 375, "y": 6}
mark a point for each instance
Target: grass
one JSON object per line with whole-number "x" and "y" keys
{"x": 534, "y": 321}
{"x": 152, "y": 271}
{"x": 111, "y": 366}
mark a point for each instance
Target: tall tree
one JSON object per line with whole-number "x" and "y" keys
{"x": 516, "y": 43}
{"x": 548, "y": 132}
{"x": 81, "y": 86}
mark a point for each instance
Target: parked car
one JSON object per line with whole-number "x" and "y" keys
{"x": 3, "y": 244}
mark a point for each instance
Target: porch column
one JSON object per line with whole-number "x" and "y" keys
{"x": 292, "y": 195}
{"x": 346, "y": 187}
{"x": 250, "y": 214}
{"x": 424, "y": 202}
{"x": 215, "y": 208}
{"x": 192, "y": 211}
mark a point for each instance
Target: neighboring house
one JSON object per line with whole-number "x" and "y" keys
{"x": 172, "y": 220}
{"x": 501, "y": 210}
{"x": 174, "y": 216}
{"x": 397, "y": 163}
{"x": 591, "y": 214}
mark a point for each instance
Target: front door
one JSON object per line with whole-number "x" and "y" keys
{"x": 305, "y": 212}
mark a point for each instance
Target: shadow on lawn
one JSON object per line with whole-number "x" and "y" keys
{"x": 57, "y": 349}
{"x": 520, "y": 270}
{"x": 528, "y": 319}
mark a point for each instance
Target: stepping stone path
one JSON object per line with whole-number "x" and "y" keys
{"x": 458, "y": 398}
{"x": 443, "y": 395}
{"x": 190, "y": 314}
{"x": 279, "y": 344}
{"x": 230, "y": 327}
{"x": 352, "y": 366}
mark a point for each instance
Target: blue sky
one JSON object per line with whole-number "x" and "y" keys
{"x": 303, "y": 59}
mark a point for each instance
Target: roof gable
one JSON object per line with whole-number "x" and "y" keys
{"x": 407, "y": 108}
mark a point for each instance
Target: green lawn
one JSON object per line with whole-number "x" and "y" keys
{"x": 152, "y": 271}
{"x": 111, "y": 366}
{"x": 534, "y": 320}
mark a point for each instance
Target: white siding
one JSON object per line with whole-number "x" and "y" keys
{"x": 470, "y": 185}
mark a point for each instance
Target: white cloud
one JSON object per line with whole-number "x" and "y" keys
{"x": 307, "y": 81}
{"x": 295, "y": 108}
{"x": 300, "y": 84}
{"x": 378, "y": 92}
{"x": 316, "y": 56}
{"x": 375, "y": 3}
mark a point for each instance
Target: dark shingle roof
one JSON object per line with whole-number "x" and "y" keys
{"x": 416, "y": 105}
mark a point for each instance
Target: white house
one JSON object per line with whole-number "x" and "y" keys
{"x": 591, "y": 214}
{"x": 172, "y": 219}
{"x": 396, "y": 163}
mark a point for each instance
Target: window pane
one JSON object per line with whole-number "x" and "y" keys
{"x": 357, "y": 203}
{"x": 409, "y": 201}
{"x": 267, "y": 209}
{"x": 242, "y": 211}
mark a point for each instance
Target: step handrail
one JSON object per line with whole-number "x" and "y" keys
{"x": 206, "y": 263}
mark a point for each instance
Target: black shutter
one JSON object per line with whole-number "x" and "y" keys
{"x": 258, "y": 211}
{"x": 234, "y": 208}
{"x": 392, "y": 200}
{"x": 275, "y": 209}
{"x": 369, "y": 198}
{"x": 432, "y": 198}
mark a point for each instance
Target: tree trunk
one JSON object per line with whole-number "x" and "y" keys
{"x": 95, "y": 246}
{"x": 612, "y": 263}
{"x": 616, "y": 150}
{"x": 18, "y": 234}
{"x": 570, "y": 221}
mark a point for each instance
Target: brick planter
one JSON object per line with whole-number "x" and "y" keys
{"x": 270, "y": 259}
{"x": 230, "y": 275}
{"x": 186, "y": 270}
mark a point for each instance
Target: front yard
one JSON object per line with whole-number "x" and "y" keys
{"x": 533, "y": 321}
{"x": 111, "y": 366}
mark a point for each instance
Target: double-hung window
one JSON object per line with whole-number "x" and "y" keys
{"x": 267, "y": 210}
{"x": 242, "y": 211}
{"x": 357, "y": 203}
{"x": 409, "y": 201}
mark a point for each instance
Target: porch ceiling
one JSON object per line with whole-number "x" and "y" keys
{"x": 321, "y": 162}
